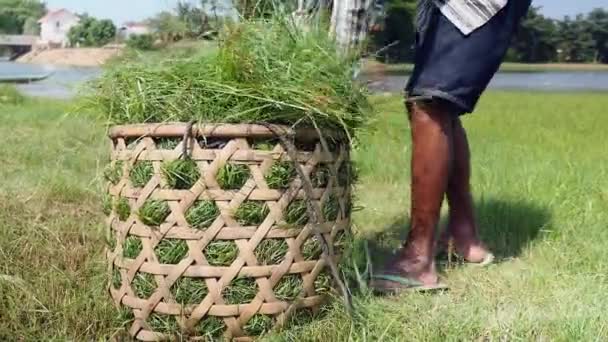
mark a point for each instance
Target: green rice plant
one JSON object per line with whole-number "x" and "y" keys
{"x": 221, "y": 253}
{"x": 143, "y": 285}
{"x": 181, "y": 174}
{"x": 132, "y": 247}
{"x": 166, "y": 324}
{"x": 320, "y": 176}
{"x": 116, "y": 278}
{"x": 233, "y": 176}
{"x": 280, "y": 175}
{"x": 202, "y": 214}
{"x": 251, "y": 213}
{"x": 125, "y": 317}
{"x": 240, "y": 291}
{"x": 211, "y": 328}
{"x": 113, "y": 172}
{"x": 141, "y": 173}
{"x": 167, "y": 143}
{"x": 123, "y": 209}
{"x": 188, "y": 290}
{"x": 297, "y": 214}
{"x": 107, "y": 204}
{"x": 258, "y": 325}
{"x": 331, "y": 208}
{"x": 289, "y": 287}
{"x": 171, "y": 251}
{"x": 154, "y": 212}
{"x": 323, "y": 283}
{"x": 311, "y": 249}
{"x": 10, "y": 95}
{"x": 271, "y": 251}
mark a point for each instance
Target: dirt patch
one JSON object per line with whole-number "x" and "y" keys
{"x": 82, "y": 57}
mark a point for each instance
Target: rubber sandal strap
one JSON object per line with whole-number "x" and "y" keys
{"x": 399, "y": 280}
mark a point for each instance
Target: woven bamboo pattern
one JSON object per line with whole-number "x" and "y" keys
{"x": 212, "y": 147}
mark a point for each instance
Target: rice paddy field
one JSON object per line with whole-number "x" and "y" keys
{"x": 541, "y": 183}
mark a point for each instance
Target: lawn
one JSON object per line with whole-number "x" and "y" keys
{"x": 406, "y": 68}
{"x": 541, "y": 184}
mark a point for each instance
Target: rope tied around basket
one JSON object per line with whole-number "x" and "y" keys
{"x": 314, "y": 212}
{"x": 188, "y": 135}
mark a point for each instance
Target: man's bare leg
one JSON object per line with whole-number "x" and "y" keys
{"x": 462, "y": 228}
{"x": 431, "y": 127}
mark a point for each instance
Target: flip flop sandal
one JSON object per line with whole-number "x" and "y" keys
{"x": 393, "y": 284}
{"x": 487, "y": 260}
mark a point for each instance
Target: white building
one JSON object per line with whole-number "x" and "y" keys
{"x": 54, "y": 27}
{"x": 134, "y": 29}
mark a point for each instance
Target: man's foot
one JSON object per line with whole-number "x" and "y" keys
{"x": 407, "y": 274}
{"x": 471, "y": 249}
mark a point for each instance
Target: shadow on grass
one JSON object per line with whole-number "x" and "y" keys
{"x": 506, "y": 227}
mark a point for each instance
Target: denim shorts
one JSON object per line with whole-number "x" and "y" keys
{"x": 452, "y": 67}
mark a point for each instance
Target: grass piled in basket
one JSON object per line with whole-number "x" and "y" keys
{"x": 262, "y": 72}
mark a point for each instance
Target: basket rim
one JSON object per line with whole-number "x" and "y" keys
{"x": 220, "y": 130}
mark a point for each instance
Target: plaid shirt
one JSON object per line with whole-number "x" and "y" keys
{"x": 466, "y": 15}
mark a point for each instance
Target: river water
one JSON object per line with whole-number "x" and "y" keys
{"x": 65, "y": 82}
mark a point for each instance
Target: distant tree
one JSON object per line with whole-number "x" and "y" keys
{"x": 31, "y": 26}
{"x": 92, "y": 32}
{"x": 14, "y": 14}
{"x": 169, "y": 27}
{"x": 394, "y": 33}
{"x": 536, "y": 39}
{"x": 141, "y": 42}
{"x": 576, "y": 41}
{"x": 598, "y": 28}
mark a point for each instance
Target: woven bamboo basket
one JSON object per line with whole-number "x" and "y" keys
{"x": 211, "y": 147}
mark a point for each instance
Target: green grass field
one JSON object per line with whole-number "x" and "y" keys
{"x": 541, "y": 183}
{"x": 406, "y": 68}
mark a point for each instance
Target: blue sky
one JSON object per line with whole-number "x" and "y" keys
{"x": 124, "y": 10}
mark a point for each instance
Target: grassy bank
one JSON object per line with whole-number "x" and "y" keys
{"x": 405, "y": 68}
{"x": 540, "y": 181}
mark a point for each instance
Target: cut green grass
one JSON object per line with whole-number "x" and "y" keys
{"x": 311, "y": 249}
{"x": 289, "y": 287}
{"x": 258, "y": 325}
{"x": 116, "y": 279}
{"x": 331, "y": 208}
{"x": 143, "y": 285}
{"x": 202, "y": 214}
{"x": 113, "y": 172}
{"x": 141, "y": 173}
{"x": 132, "y": 247}
{"x": 181, "y": 174}
{"x": 166, "y": 324}
{"x": 297, "y": 214}
{"x": 123, "y": 209}
{"x": 320, "y": 176}
{"x": 233, "y": 176}
{"x": 323, "y": 283}
{"x": 280, "y": 175}
{"x": 211, "y": 328}
{"x": 221, "y": 253}
{"x": 189, "y": 291}
{"x": 240, "y": 291}
{"x": 167, "y": 143}
{"x": 271, "y": 251}
{"x": 251, "y": 213}
{"x": 154, "y": 212}
{"x": 171, "y": 251}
